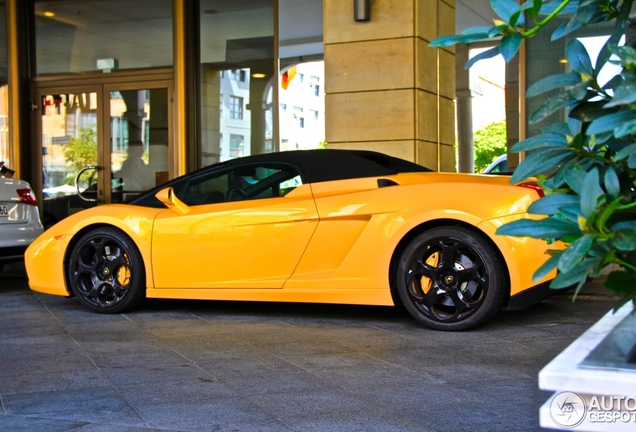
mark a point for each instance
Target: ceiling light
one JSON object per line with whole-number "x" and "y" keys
{"x": 49, "y": 14}
{"x": 258, "y": 75}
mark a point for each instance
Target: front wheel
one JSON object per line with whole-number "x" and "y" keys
{"x": 451, "y": 278}
{"x": 105, "y": 271}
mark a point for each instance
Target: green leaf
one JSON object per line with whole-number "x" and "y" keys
{"x": 623, "y": 94}
{"x": 565, "y": 28}
{"x": 504, "y": 8}
{"x": 540, "y": 141}
{"x": 590, "y": 193}
{"x": 620, "y": 282}
{"x": 484, "y": 55}
{"x": 624, "y": 240}
{"x": 478, "y": 30}
{"x": 575, "y": 253}
{"x": 540, "y": 161}
{"x": 496, "y": 31}
{"x": 631, "y": 161}
{"x": 514, "y": 18}
{"x": 552, "y": 104}
{"x": 574, "y": 179}
{"x": 610, "y": 122}
{"x": 626, "y": 129}
{"x": 578, "y": 58}
{"x": 550, "y": 6}
{"x": 612, "y": 183}
{"x": 546, "y": 268}
{"x": 561, "y": 128}
{"x": 586, "y": 11}
{"x": 624, "y": 152}
{"x": 590, "y": 111}
{"x": 533, "y": 12}
{"x": 551, "y": 204}
{"x": 542, "y": 229}
{"x": 552, "y": 82}
{"x": 576, "y": 275}
{"x": 510, "y": 45}
{"x": 627, "y": 225}
{"x": 449, "y": 40}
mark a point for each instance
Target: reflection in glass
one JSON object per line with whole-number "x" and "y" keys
{"x": 139, "y": 141}
{"x": 237, "y": 73}
{"x": 69, "y": 144}
{"x": 5, "y": 154}
{"x": 71, "y": 36}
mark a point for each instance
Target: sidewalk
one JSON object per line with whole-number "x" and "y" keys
{"x": 198, "y": 366}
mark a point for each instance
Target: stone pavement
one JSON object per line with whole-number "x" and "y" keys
{"x": 233, "y": 366}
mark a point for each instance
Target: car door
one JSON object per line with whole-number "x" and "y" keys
{"x": 247, "y": 227}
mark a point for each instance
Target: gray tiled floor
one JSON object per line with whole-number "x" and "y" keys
{"x": 230, "y": 366}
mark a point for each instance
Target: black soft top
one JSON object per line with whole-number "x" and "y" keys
{"x": 314, "y": 166}
{"x": 327, "y": 165}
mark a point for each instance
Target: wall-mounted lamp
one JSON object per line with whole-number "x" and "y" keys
{"x": 362, "y": 10}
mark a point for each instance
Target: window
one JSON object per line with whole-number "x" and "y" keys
{"x": 299, "y": 117}
{"x": 240, "y": 183}
{"x": 314, "y": 83}
{"x": 236, "y": 107}
{"x": 236, "y": 145}
{"x": 239, "y": 75}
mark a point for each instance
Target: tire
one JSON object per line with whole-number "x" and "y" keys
{"x": 451, "y": 278}
{"x": 106, "y": 272}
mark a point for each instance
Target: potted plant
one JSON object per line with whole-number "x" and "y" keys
{"x": 586, "y": 165}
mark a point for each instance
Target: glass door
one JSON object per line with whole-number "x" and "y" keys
{"x": 102, "y": 144}
{"x": 70, "y": 133}
{"x": 139, "y": 139}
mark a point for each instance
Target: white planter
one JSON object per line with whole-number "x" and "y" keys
{"x": 592, "y": 397}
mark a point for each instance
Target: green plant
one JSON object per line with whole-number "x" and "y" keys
{"x": 81, "y": 152}
{"x": 587, "y": 165}
{"x": 489, "y": 142}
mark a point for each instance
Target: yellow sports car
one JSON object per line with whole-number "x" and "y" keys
{"x": 322, "y": 226}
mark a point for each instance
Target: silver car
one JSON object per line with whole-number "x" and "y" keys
{"x": 19, "y": 219}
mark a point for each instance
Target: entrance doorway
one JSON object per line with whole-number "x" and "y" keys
{"x": 102, "y": 143}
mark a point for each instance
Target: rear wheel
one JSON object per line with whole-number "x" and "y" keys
{"x": 106, "y": 271}
{"x": 451, "y": 278}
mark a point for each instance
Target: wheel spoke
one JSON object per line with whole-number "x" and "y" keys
{"x": 469, "y": 274}
{"x": 433, "y": 297}
{"x": 85, "y": 268}
{"x": 420, "y": 270}
{"x": 448, "y": 255}
{"x": 460, "y": 304}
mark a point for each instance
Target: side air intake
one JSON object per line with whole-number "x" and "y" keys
{"x": 386, "y": 182}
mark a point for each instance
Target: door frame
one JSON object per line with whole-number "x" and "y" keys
{"x": 102, "y": 84}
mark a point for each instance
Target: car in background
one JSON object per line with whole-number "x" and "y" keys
{"x": 319, "y": 226}
{"x": 19, "y": 219}
{"x": 499, "y": 165}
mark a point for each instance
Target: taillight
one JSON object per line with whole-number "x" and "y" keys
{"x": 27, "y": 196}
{"x": 534, "y": 186}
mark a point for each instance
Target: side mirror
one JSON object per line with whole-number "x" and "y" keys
{"x": 168, "y": 197}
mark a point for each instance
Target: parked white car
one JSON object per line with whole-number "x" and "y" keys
{"x": 19, "y": 219}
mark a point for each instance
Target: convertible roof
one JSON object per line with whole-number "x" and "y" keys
{"x": 326, "y": 165}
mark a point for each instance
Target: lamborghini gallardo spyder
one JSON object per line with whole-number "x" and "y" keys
{"x": 321, "y": 226}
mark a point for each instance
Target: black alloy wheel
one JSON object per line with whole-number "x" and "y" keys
{"x": 451, "y": 278}
{"x": 106, "y": 271}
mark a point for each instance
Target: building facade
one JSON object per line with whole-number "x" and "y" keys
{"x": 111, "y": 97}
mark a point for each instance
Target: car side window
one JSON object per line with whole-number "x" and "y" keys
{"x": 239, "y": 183}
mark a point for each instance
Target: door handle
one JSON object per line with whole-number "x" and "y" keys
{"x": 77, "y": 179}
